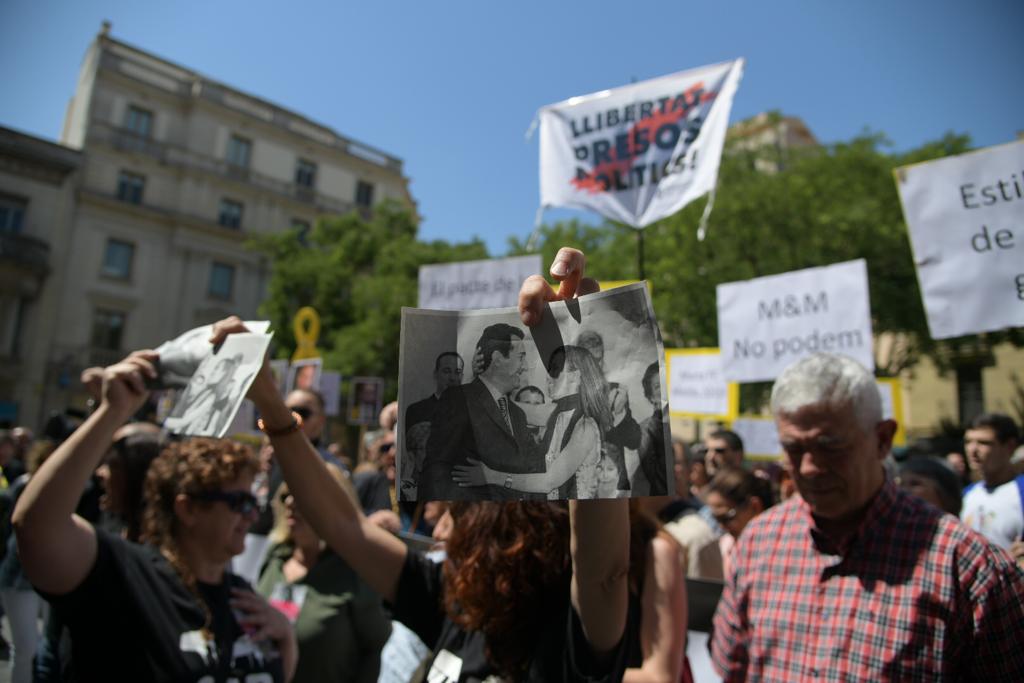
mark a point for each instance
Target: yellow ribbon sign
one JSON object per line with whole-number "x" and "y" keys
{"x": 306, "y": 325}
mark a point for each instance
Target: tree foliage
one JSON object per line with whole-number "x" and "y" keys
{"x": 357, "y": 273}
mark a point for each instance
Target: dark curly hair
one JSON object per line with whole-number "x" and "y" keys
{"x": 191, "y": 468}
{"x": 506, "y": 562}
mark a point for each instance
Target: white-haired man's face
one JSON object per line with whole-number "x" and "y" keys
{"x": 836, "y": 463}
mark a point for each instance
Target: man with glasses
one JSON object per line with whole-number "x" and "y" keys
{"x": 309, "y": 405}
{"x": 856, "y": 579}
{"x": 724, "y": 450}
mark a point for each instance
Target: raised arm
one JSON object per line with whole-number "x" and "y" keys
{"x": 57, "y": 548}
{"x": 600, "y": 528}
{"x": 376, "y": 555}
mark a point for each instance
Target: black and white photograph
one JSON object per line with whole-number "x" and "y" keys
{"x": 364, "y": 400}
{"x": 181, "y": 356}
{"x": 571, "y": 409}
{"x": 213, "y": 395}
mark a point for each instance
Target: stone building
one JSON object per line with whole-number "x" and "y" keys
{"x": 167, "y": 174}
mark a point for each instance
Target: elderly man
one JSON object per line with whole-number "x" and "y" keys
{"x": 856, "y": 579}
{"x": 724, "y": 450}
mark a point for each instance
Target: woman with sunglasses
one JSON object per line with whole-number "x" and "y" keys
{"x": 165, "y": 609}
{"x": 339, "y": 621}
{"x": 528, "y": 591}
{"x": 734, "y": 497}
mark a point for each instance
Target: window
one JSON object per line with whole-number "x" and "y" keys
{"x": 12, "y": 214}
{"x": 139, "y": 121}
{"x": 970, "y": 393}
{"x": 364, "y": 194}
{"x": 305, "y": 173}
{"x": 117, "y": 259}
{"x": 130, "y": 187}
{"x": 230, "y": 214}
{"x": 239, "y": 151}
{"x": 222, "y": 280}
{"x": 107, "y": 329}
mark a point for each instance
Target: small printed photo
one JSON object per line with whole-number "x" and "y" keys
{"x": 180, "y": 356}
{"x": 574, "y": 408}
{"x": 364, "y": 402}
{"x": 279, "y": 366}
{"x": 304, "y": 374}
{"x": 217, "y": 388}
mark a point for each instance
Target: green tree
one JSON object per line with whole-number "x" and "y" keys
{"x": 358, "y": 274}
{"x": 824, "y": 205}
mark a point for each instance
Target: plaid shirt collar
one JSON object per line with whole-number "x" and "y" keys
{"x": 876, "y": 510}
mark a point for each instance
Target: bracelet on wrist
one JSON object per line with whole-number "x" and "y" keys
{"x": 294, "y": 426}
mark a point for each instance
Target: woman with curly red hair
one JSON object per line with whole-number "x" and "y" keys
{"x": 167, "y": 609}
{"x": 529, "y": 592}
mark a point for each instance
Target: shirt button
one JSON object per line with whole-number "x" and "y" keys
{"x": 825, "y": 613}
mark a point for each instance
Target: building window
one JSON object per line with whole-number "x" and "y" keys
{"x": 364, "y": 194}
{"x": 305, "y": 173}
{"x": 12, "y": 214}
{"x": 117, "y": 259}
{"x": 239, "y": 151}
{"x": 130, "y": 187}
{"x": 970, "y": 393}
{"x": 222, "y": 280}
{"x": 107, "y": 329}
{"x": 139, "y": 121}
{"x": 230, "y": 214}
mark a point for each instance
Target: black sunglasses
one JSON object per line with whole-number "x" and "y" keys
{"x": 242, "y": 502}
{"x": 303, "y": 412}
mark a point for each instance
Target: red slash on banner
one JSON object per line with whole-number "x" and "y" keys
{"x": 613, "y": 166}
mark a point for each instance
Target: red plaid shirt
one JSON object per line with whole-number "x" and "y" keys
{"x": 913, "y": 595}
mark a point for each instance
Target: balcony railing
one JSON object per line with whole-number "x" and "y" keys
{"x": 28, "y": 252}
{"x": 176, "y": 155}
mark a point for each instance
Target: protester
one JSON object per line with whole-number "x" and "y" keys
{"x": 933, "y": 481}
{"x": 994, "y": 506}
{"x": 658, "y": 583}
{"x": 514, "y": 597}
{"x": 309, "y": 403}
{"x": 339, "y": 621}
{"x": 735, "y": 497}
{"x": 858, "y": 579}
{"x": 123, "y": 475}
{"x": 164, "y": 610}
{"x": 578, "y": 388}
{"x": 961, "y": 468}
{"x": 21, "y": 603}
{"x": 724, "y": 449}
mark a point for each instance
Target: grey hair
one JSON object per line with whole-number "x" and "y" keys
{"x": 832, "y": 380}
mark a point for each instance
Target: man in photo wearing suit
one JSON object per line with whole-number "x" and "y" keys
{"x": 479, "y": 421}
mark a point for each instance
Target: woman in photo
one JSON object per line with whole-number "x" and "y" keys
{"x": 166, "y": 609}
{"x": 572, "y": 440}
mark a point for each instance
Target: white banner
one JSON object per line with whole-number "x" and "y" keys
{"x": 760, "y": 436}
{"x": 696, "y": 385}
{"x": 965, "y": 215}
{"x": 640, "y": 152}
{"x": 767, "y": 323}
{"x": 491, "y": 283}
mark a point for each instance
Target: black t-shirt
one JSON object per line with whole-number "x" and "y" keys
{"x": 132, "y": 619}
{"x": 560, "y": 653}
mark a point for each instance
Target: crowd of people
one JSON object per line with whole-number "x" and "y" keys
{"x": 158, "y": 559}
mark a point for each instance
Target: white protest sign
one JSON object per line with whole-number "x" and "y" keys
{"x": 767, "y": 323}
{"x": 965, "y": 215}
{"x": 330, "y": 389}
{"x": 696, "y": 386}
{"x": 640, "y": 152}
{"x": 491, "y": 283}
{"x": 760, "y": 436}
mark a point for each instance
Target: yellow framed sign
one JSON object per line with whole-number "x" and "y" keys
{"x": 696, "y": 386}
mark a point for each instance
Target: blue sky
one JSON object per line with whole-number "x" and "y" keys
{"x": 451, "y": 87}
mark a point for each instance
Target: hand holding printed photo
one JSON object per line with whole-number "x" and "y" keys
{"x": 571, "y": 408}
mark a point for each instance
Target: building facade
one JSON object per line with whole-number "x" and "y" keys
{"x": 174, "y": 173}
